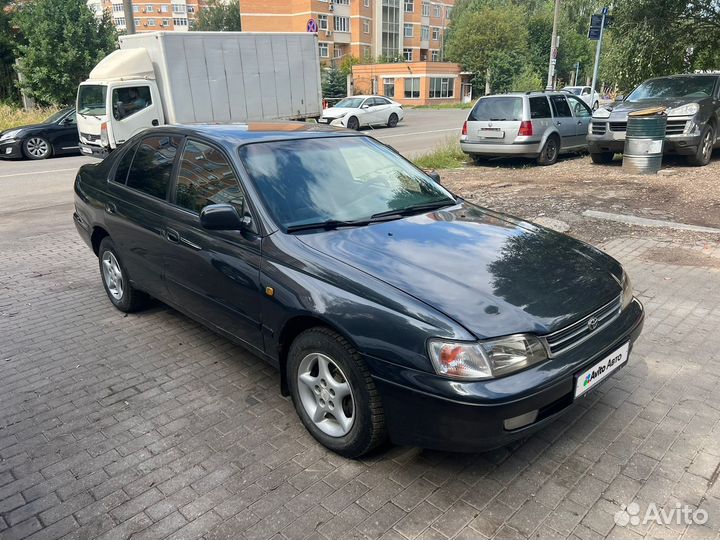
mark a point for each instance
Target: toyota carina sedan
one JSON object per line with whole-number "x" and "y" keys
{"x": 392, "y": 308}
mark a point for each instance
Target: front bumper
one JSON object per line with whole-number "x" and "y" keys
{"x": 11, "y": 149}
{"x": 94, "y": 151}
{"x": 425, "y": 410}
{"x": 685, "y": 143}
{"x": 489, "y": 149}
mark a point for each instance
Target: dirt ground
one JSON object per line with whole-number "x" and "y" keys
{"x": 679, "y": 193}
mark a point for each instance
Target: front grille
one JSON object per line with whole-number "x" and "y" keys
{"x": 618, "y": 126}
{"x": 675, "y": 127}
{"x": 90, "y": 137}
{"x": 574, "y": 334}
{"x": 599, "y": 128}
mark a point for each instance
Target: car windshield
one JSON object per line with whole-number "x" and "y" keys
{"x": 350, "y": 103}
{"x": 497, "y": 109}
{"x": 577, "y": 90}
{"x": 334, "y": 179}
{"x": 674, "y": 87}
{"x": 91, "y": 99}
{"x": 55, "y": 117}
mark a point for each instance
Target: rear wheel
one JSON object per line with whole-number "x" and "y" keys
{"x": 704, "y": 151}
{"x": 550, "y": 151}
{"x": 334, "y": 394}
{"x": 478, "y": 159}
{"x": 37, "y": 148}
{"x": 602, "y": 157}
{"x": 392, "y": 121}
{"x": 117, "y": 281}
{"x": 353, "y": 123}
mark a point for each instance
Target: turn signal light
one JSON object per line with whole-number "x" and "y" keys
{"x": 104, "y": 140}
{"x": 526, "y": 129}
{"x": 464, "y": 130}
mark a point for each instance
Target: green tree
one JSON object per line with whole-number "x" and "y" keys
{"x": 218, "y": 16}
{"x": 8, "y": 90}
{"x": 334, "y": 83}
{"x": 62, "y": 42}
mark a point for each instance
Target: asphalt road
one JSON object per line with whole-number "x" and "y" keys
{"x": 47, "y": 184}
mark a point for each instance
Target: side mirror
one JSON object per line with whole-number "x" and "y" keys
{"x": 364, "y": 106}
{"x": 434, "y": 175}
{"x": 68, "y": 120}
{"x": 222, "y": 217}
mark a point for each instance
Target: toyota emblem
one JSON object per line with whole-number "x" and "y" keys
{"x": 592, "y": 323}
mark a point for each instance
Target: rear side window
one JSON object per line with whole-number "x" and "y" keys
{"x": 152, "y": 165}
{"x": 205, "y": 178}
{"x": 123, "y": 167}
{"x": 560, "y": 106}
{"x": 497, "y": 109}
{"x": 539, "y": 107}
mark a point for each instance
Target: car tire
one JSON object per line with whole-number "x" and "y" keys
{"x": 478, "y": 159}
{"x": 321, "y": 366}
{"x": 602, "y": 157}
{"x": 37, "y": 148}
{"x": 550, "y": 151}
{"x": 705, "y": 149}
{"x": 353, "y": 123}
{"x": 392, "y": 120}
{"x": 116, "y": 280}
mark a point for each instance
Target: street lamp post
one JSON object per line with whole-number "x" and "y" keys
{"x": 129, "y": 17}
{"x": 553, "y": 48}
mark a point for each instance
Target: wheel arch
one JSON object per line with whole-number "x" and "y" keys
{"x": 98, "y": 233}
{"x": 550, "y": 133}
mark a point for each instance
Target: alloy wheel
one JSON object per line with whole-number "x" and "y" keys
{"x": 551, "y": 150}
{"x": 112, "y": 274}
{"x": 707, "y": 145}
{"x": 37, "y": 147}
{"x": 326, "y": 395}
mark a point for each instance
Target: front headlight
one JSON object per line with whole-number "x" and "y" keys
{"x": 485, "y": 359}
{"x": 9, "y": 134}
{"x": 684, "y": 110}
{"x": 627, "y": 290}
{"x": 601, "y": 113}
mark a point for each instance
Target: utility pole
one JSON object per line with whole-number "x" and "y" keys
{"x": 129, "y": 17}
{"x": 577, "y": 72}
{"x": 553, "y": 48}
{"x": 598, "y": 48}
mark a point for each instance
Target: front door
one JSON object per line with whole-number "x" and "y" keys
{"x": 564, "y": 121}
{"x": 215, "y": 275}
{"x": 582, "y": 113}
{"x": 134, "y": 107}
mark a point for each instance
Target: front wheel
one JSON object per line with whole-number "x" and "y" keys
{"x": 550, "y": 150}
{"x": 704, "y": 151}
{"x": 117, "y": 281}
{"x": 392, "y": 121}
{"x": 601, "y": 157}
{"x": 334, "y": 394}
{"x": 353, "y": 123}
{"x": 37, "y": 148}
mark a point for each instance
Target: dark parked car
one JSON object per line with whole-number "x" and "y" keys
{"x": 391, "y": 307}
{"x": 58, "y": 135}
{"x": 693, "y": 110}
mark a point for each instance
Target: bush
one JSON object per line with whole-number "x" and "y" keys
{"x": 11, "y": 117}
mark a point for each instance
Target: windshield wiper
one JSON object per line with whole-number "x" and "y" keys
{"x": 417, "y": 208}
{"x": 336, "y": 223}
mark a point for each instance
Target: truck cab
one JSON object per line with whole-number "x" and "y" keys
{"x": 120, "y": 98}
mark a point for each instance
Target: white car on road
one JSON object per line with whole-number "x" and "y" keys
{"x": 357, "y": 111}
{"x": 583, "y": 92}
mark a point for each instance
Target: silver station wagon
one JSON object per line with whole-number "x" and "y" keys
{"x": 538, "y": 125}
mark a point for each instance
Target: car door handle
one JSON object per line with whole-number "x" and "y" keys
{"x": 110, "y": 207}
{"x": 172, "y": 236}
{"x": 580, "y": 122}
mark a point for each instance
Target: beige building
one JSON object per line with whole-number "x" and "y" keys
{"x": 151, "y": 15}
{"x": 365, "y": 29}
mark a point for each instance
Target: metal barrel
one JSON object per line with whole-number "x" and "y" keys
{"x": 644, "y": 143}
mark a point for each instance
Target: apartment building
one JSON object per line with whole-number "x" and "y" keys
{"x": 366, "y": 29}
{"x": 151, "y": 15}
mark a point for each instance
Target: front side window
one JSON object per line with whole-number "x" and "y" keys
{"x": 121, "y": 172}
{"x": 152, "y": 165}
{"x": 313, "y": 181}
{"x": 442, "y": 87}
{"x": 560, "y": 107}
{"x": 412, "y": 87}
{"x": 579, "y": 107}
{"x": 206, "y": 177}
{"x": 129, "y": 100}
{"x": 389, "y": 87}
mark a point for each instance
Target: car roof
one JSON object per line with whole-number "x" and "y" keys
{"x": 521, "y": 94}
{"x": 684, "y": 76}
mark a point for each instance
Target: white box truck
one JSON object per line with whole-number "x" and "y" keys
{"x": 159, "y": 78}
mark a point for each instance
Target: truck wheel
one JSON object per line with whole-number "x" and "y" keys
{"x": 704, "y": 151}
{"x": 550, "y": 151}
{"x": 601, "y": 157}
{"x": 353, "y": 123}
{"x": 37, "y": 148}
{"x": 334, "y": 394}
{"x": 392, "y": 121}
{"x": 116, "y": 280}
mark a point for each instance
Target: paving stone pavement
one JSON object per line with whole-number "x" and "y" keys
{"x": 150, "y": 426}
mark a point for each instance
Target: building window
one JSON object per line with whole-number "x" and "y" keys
{"x": 391, "y": 30}
{"x": 117, "y": 8}
{"x": 151, "y": 22}
{"x": 442, "y": 87}
{"x": 389, "y": 87}
{"x": 120, "y": 21}
{"x": 149, "y": 8}
{"x": 437, "y": 9}
{"x": 412, "y": 87}
{"x": 408, "y": 54}
{"x": 344, "y": 2}
{"x": 366, "y": 53}
{"x": 191, "y": 9}
{"x": 408, "y": 30}
{"x": 435, "y": 56}
{"x": 137, "y": 22}
{"x": 425, "y": 33}
{"x": 164, "y": 8}
{"x": 409, "y": 6}
{"x": 178, "y": 8}
{"x": 366, "y": 3}
{"x": 425, "y": 9}
{"x": 448, "y": 12}
{"x": 366, "y": 26}
{"x": 166, "y": 22}
{"x": 435, "y": 34}
{"x": 337, "y": 52}
{"x": 323, "y": 47}
{"x": 323, "y": 22}
{"x": 180, "y": 22}
{"x": 342, "y": 24}
{"x": 136, "y": 9}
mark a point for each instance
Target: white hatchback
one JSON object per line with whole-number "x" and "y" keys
{"x": 357, "y": 111}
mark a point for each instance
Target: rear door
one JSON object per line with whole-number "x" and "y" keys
{"x": 495, "y": 120}
{"x": 582, "y": 113}
{"x": 564, "y": 121}
{"x": 215, "y": 275}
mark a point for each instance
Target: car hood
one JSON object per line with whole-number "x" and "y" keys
{"x": 623, "y": 108}
{"x": 25, "y": 129}
{"x": 337, "y": 112}
{"x": 490, "y": 273}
